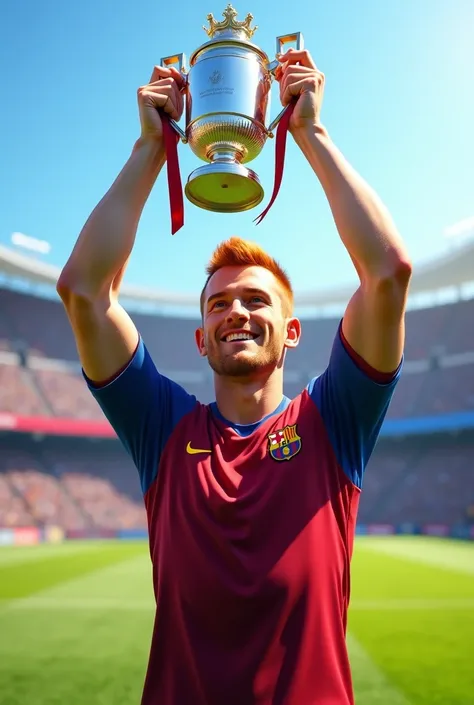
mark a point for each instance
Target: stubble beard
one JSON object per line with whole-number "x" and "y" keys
{"x": 245, "y": 363}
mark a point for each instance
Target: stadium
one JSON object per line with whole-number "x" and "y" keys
{"x": 70, "y": 500}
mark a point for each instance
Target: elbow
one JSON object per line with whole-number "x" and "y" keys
{"x": 64, "y": 286}
{"x": 395, "y": 281}
{"x": 74, "y": 290}
{"x": 392, "y": 275}
{"x": 390, "y": 287}
{"x": 401, "y": 273}
{"x": 69, "y": 287}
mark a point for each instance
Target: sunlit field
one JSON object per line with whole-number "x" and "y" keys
{"x": 76, "y": 621}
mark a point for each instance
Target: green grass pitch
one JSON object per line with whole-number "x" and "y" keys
{"x": 76, "y": 620}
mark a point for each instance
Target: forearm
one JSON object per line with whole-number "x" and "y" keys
{"x": 363, "y": 222}
{"x": 106, "y": 241}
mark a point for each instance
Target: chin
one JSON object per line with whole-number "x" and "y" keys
{"x": 240, "y": 364}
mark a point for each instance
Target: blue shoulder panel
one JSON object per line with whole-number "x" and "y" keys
{"x": 353, "y": 406}
{"x": 143, "y": 407}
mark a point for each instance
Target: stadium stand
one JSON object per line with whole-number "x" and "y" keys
{"x": 84, "y": 482}
{"x": 72, "y": 483}
{"x": 439, "y": 348}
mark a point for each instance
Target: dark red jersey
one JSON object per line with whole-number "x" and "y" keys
{"x": 251, "y": 532}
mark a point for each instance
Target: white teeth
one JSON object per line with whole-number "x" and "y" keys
{"x": 238, "y": 336}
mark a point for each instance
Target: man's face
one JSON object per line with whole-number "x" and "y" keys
{"x": 245, "y": 327}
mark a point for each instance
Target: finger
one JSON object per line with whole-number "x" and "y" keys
{"x": 178, "y": 77}
{"x": 292, "y": 56}
{"x": 296, "y": 70}
{"x": 159, "y": 72}
{"x": 294, "y": 90}
{"x": 167, "y": 82}
{"x": 161, "y": 98}
{"x": 171, "y": 108}
{"x": 166, "y": 87}
{"x": 296, "y": 73}
{"x": 282, "y": 69}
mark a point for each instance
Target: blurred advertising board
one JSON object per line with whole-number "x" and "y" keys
{"x": 26, "y": 536}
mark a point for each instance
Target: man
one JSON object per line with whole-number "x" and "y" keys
{"x": 252, "y": 500}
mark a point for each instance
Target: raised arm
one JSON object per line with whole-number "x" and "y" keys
{"x": 373, "y": 323}
{"x": 89, "y": 284}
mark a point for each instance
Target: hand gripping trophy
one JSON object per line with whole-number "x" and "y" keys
{"x": 227, "y": 92}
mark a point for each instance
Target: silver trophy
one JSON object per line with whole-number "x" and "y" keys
{"x": 227, "y": 90}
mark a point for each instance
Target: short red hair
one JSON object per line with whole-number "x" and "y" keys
{"x": 236, "y": 252}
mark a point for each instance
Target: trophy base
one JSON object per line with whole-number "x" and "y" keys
{"x": 224, "y": 188}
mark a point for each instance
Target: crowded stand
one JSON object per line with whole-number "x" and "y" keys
{"x": 68, "y": 483}
{"x": 44, "y": 496}
{"x": 39, "y": 323}
{"x": 13, "y": 511}
{"x": 66, "y": 394}
{"x": 84, "y": 484}
{"x": 101, "y": 503}
{"x": 434, "y": 486}
{"x": 421, "y": 480}
{"x": 18, "y": 394}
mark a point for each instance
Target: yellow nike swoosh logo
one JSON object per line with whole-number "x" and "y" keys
{"x": 193, "y": 451}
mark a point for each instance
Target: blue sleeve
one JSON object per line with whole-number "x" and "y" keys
{"x": 353, "y": 406}
{"x": 143, "y": 407}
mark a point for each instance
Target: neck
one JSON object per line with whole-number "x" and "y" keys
{"x": 248, "y": 400}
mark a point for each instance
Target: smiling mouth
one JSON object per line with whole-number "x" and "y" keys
{"x": 238, "y": 337}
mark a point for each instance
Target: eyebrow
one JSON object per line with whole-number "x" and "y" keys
{"x": 248, "y": 290}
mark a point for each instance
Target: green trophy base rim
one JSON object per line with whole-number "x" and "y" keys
{"x": 224, "y": 188}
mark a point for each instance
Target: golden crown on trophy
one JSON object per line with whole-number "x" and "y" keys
{"x": 230, "y": 22}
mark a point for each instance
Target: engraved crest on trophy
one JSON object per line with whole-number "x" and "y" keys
{"x": 216, "y": 77}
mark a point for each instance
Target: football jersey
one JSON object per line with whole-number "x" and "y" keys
{"x": 251, "y": 531}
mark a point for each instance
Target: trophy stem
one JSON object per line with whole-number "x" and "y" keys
{"x": 224, "y": 155}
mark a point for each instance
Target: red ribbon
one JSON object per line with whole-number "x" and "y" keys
{"x": 280, "y": 148}
{"x": 175, "y": 187}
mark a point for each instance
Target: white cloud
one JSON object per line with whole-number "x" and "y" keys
{"x": 31, "y": 243}
{"x": 462, "y": 228}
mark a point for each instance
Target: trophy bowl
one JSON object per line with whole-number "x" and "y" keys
{"x": 227, "y": 94}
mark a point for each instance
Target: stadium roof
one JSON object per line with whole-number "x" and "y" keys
{"x": 452, "y": 269}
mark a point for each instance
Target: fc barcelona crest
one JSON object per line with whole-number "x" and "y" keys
{"x": 284, "y": 444}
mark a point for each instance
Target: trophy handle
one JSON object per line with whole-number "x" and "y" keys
{"x": 296, "y": 38}
{"x": 281, "y": 46}
{"x": 178, "y": 61}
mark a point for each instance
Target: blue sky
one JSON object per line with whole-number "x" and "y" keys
{"x": 399, "y": 104}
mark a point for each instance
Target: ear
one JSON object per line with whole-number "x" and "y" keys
{"x": 293, "y": 333}
{"x": 201, "y": 346}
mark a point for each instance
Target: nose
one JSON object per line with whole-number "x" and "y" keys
{"x": 237, "y": 312}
